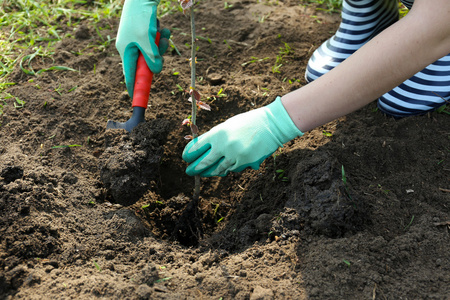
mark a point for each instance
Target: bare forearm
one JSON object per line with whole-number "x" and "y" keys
{"x": 395, "y": 55}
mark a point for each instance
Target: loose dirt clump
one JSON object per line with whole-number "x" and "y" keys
{"x": 355, "y": 209}
{"x": 130, "y": 165}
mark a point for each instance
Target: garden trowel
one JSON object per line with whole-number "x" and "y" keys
{"x": 142, "y": 86}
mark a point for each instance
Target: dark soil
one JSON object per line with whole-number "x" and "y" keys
{"x": 113, "y": 218}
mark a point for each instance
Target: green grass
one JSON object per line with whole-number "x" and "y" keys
{"x": 328, "y": 5}
{"x": 37, "y": 25}
{"x": 333, "y": 6}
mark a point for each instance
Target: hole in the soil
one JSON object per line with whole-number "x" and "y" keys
{"x": 189, "y": 229}
{"x": 178, "y": 218}
{"x": 173, "y": 180}
{"x": 145, "y": 170}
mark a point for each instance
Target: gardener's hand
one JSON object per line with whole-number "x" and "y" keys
{"x": 137, "y": 32}
{"x": 242, "y": 141}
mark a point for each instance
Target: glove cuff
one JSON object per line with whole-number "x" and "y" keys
{"x": 284, "y": 128}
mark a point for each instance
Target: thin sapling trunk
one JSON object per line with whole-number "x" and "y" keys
{"x": 195, "y": 96}
{"x": 194, "y": 128}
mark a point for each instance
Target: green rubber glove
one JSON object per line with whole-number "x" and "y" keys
{"x": 242, "y": 141}
{"x": 137, "y": 32}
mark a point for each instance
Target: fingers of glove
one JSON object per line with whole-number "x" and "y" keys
{"x": 165, "y": 33}
{"x": 207, "y": 167}
{"x": 205, "y": 162}
{"x": 153, "y": 58}
{"x": 163, "y": 46}
{"x": 196, "y": 148}
{"x": 217, "y": 169}
{"x": 130, "y": 87}
{"x": 223, "y": 166}
{"x": 164, "y": 40}
{"x": 149, "y": 48}
{"x": 129, "y": 67}
{"x": 254, "y": 165}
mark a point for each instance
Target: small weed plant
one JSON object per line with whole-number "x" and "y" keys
{"x": 330, "y": 6}
{"x": 344, "y": 181}
{"x": 281, "y": 57}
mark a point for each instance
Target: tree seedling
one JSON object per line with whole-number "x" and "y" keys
{"x": 193, "y": 93}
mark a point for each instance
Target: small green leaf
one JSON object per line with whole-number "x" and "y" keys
{"x": 97, "y": 266}
{"x": 66, "y": 146}
{"x": 58, "y": 68}
{"x": 72, "y": 89}
{"x": 163, "y": 279}
{"x": 410, "y": 222}
{"x": 327, "y": 133}
{"x": 344, "y": 178}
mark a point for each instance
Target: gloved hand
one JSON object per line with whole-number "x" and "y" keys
{"x": 242, "y": 141}
{"x": 137, "y": 32}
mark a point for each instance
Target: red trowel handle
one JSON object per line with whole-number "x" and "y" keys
{"x": 143, "y": 80}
